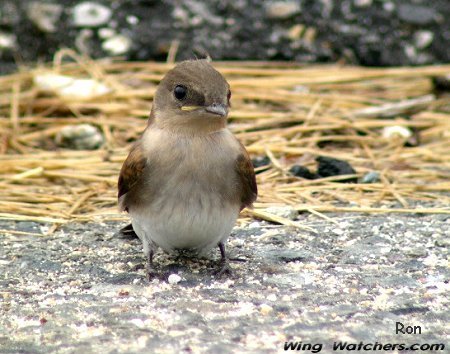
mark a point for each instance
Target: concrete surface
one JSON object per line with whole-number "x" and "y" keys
{"x": 83, "y": 289}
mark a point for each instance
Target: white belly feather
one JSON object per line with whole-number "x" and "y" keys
{"x": 185, "y": 223}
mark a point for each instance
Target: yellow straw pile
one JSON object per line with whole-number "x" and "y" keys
{"x": 289, "y": 113}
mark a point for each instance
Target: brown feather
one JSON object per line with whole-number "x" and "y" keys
{"x": 246, "y": 173}
{"x": 131, "y": 172}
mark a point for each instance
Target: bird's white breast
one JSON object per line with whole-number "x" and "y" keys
{"x": 189, "y": 209}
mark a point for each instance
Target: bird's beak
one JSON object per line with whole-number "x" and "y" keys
{"x": 217, "y": 108}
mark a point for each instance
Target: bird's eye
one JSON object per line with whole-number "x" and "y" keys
{"x": 180, "y": 92}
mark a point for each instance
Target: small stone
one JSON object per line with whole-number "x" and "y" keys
{"x": 301, "y": 89}
{"x": 295, "y": 32}
{"x": 69, "y": 87}
{"x": 432, "y": 260}
{"x": 286, "y": 212}
{"x": 410, "y": 51}
{"x": 117, "y": 45}
{"x": 260, "y": 161}
{"x": 265, "y": 309}
{"x": 106, "y": 32}
{"x": 396, "y": 131}
{"x": 388, "y": 6}
{"x": 7, "y": 41}
{"x": 362, "y": 3}
{"x": 442, "y": 241}
{"x": 272, "y": 297}
{"x": 132, "y": 20}
{"x": 174, "y": 279}
{"x": 338, "y": 231}
{"x": 90, "y": 14}
{"x": 416, "y": 252}
{"x": 302, "y": 171}
{"x": 79, "y": 137}
{"x": 310, "y": 36}
{"x": 442, "y": 83}
{"x": 44, "y": 15}
{"x": 371, "y": 177}
{"x": 423, "y": 39}
{"x": 416, "y": 14}
{"x": 282, "y": 9}
{"x": 329, "y": 166}
{"x": 254, "y": 225}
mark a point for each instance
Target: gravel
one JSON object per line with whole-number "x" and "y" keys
{"x": 367, "y": 32}
{"x": 83, "y": 289}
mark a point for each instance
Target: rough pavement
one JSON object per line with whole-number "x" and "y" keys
{"x": 83, "y": 289}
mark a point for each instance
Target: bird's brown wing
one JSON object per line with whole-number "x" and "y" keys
{"x": 246, "y": 174}
{"x": 131, "y": 172}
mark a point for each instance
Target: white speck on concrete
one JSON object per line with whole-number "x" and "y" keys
{"x": 174, "y": 279}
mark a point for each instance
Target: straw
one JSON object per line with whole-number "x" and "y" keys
{"x": 288, "y": 112}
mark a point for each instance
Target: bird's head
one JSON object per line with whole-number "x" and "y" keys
{"x": 193, "y": 97}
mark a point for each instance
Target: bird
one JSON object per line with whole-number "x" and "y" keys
{"x": 187, "y": 178}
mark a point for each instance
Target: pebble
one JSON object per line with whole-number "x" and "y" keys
{"x": 338, "y": 231}
{"x": 272, "y": 297}
{"x": 388, "y": 6}
{"x": 106, "y": 32}
{"x": 416, "y": 14}
{"x": 254, "y": 225}
{"x": 282, "y": 9}
{"x": 174, "y": 279}
{"x": 90, "y": 14}
{"x": 44, "y": 15}
{"x": 70, "y": 87}
{"x": 7, "y": 41}
{"x": 265, "y": 309}
{"x": 285, "y": 212}
{"x": 329, "y": 166}
{"x": 441, "y": 83}
{"x": 396, "y": 131}
{"x": 260, "y": 161}
{"x": 116, "y": 45}
{"x": 132, "y": 20}
{"x": 83, "y": 40}
{"x": 423, "y": 39}
{"x": 371, "y": 177}
{"x": 302, "y": 171}
{"x": 362, "y": 3}
{"x": 295, "y": 32}
{"x": 80, "y": 137}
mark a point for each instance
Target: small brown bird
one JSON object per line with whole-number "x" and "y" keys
{"x": 187, "y": 178}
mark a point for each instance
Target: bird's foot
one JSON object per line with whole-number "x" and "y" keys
{"x": 152, "y": 274}
{"x": 224, "y": 269}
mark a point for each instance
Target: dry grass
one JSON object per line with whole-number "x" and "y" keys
{"x": 288, "y": 112}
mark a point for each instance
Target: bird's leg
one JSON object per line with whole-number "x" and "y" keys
{"x": 150, "y": 271}
{"x": 224, "y": 264}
